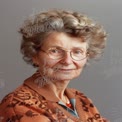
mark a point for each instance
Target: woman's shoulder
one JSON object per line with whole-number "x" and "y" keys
{"x": 9, "y": 97}
{"x": 20, "y": 103}
{"x": 22, "y": 94}
{"x": 77, "y": 92}
{"x": 81, "y": 96}
{"x": 6, "y": 100}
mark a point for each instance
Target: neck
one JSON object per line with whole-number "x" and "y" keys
{"x": 58, "y": 88}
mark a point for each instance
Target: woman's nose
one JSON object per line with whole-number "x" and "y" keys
{"x": 67, "y": 59}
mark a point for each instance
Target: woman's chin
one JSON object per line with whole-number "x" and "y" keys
{"x": 61, "y": 77}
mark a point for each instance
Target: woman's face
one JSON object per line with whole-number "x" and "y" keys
{"x": 65, "y": 68}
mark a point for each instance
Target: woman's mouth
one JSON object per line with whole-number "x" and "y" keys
{"x": 66, "y": 70}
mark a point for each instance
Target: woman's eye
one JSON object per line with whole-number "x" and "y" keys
{"x": 78, "y": 52}
{"x": 55, "y": 51}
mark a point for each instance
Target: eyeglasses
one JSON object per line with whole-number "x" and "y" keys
{"x": 59, "y": 53}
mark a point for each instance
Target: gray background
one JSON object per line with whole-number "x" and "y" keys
{"x": 101, "y": 81}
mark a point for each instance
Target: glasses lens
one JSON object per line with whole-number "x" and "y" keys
{"x": 78, "y": 54}
{"x": 55, "y": 53}
{"x": 78, "y": 58}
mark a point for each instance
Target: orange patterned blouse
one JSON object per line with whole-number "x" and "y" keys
{"x": 30, "y": 103}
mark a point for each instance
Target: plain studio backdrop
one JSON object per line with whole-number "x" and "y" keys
{"x": 101, "y": 81}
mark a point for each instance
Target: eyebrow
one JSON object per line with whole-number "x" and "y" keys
{"x": 64, "y": 48}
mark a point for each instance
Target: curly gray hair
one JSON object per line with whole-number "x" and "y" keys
{"x": 35, "y": 30}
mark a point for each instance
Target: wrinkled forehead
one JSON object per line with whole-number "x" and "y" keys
{"x": 64, "y": 40}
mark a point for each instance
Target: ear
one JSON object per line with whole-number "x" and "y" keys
{"x": 35, "y": 60}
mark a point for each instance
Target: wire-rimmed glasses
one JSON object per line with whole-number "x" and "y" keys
{"x": 59, "y": 53}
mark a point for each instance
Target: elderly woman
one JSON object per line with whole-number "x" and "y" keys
{"x": 59, "y": 44}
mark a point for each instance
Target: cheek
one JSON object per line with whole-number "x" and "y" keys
{"x": 49, "y": 63}
{"x": 81, "y": 64}
{"x": 79, "y": 69}
{"x": 46, "y": 64}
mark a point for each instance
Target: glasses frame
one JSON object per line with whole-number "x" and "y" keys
{"x": 87, "y": 54}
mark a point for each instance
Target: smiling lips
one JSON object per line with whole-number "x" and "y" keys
{"x": 61, "y": 69}
{"x": 66, "y": 70}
